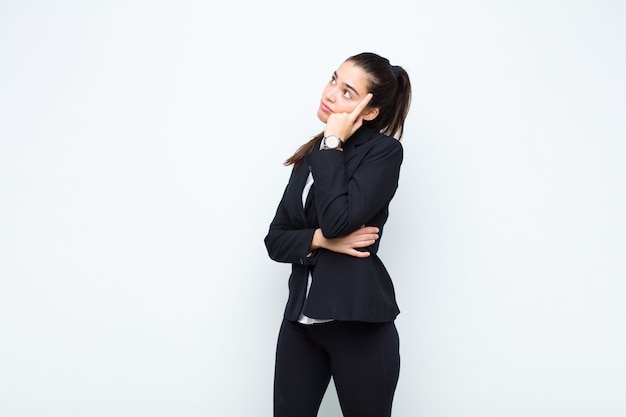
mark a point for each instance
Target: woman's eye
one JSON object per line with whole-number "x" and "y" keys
{"x": 347, "y": 94}
{"x": 333, "y": 81}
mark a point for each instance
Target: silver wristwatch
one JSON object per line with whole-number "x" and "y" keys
{"x": 332, "y": 142}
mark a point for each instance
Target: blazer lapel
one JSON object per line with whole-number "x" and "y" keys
{"x": 310, "y": 197}
{"x": 295, "y": 200}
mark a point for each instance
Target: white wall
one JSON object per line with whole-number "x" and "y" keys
{"x": 141, "y": 145}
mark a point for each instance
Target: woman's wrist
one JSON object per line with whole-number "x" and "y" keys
{"x": 332, "y": 142}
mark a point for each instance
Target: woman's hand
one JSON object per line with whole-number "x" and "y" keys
{"x": 343, "y": 125}
{"x": 348, "y": 244}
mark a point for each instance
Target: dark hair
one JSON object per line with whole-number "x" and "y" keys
{"x": 391, "y": 88}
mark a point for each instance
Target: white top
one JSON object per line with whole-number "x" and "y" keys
{"x": 304, "y": 319}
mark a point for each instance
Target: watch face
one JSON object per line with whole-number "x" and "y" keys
{"x": 331, "y": 141}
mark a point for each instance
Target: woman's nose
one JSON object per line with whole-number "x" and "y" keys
{"x": 331, "y": 92}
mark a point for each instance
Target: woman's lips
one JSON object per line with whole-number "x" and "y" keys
{"x": 325, "y": 108}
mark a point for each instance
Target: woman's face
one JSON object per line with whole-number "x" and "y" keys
{"x": 346, "y": 88}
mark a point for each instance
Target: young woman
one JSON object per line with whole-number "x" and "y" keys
{"x": 339, "y": 319}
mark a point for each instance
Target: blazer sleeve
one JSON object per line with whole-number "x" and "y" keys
{"x": 287, "y": 244}
{"x": 346, "y": 203}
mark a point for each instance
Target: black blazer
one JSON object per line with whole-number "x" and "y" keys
{"x": 352, "y": 188}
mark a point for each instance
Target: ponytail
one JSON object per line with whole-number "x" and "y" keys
{"x": 402, "y": 103}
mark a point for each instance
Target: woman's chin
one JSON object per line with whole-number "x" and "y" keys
{"x": 322, "y": 116}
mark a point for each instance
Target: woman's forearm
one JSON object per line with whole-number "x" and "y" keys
{"x": 361, "y": 238}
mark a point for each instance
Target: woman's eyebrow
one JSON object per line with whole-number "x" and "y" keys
{"x": 348, "y": 86}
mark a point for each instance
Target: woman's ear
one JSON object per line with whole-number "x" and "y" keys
{"x": 370, "y": 114}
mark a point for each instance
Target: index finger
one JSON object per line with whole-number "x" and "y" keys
{"x": 362, "y": 105}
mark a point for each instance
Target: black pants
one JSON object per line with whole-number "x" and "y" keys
{"x": 362, "y": 358}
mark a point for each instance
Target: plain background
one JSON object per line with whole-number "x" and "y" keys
{"x": 141, "y": 145}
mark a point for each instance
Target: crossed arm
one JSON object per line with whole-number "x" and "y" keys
{"x": 348, "y": 244}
